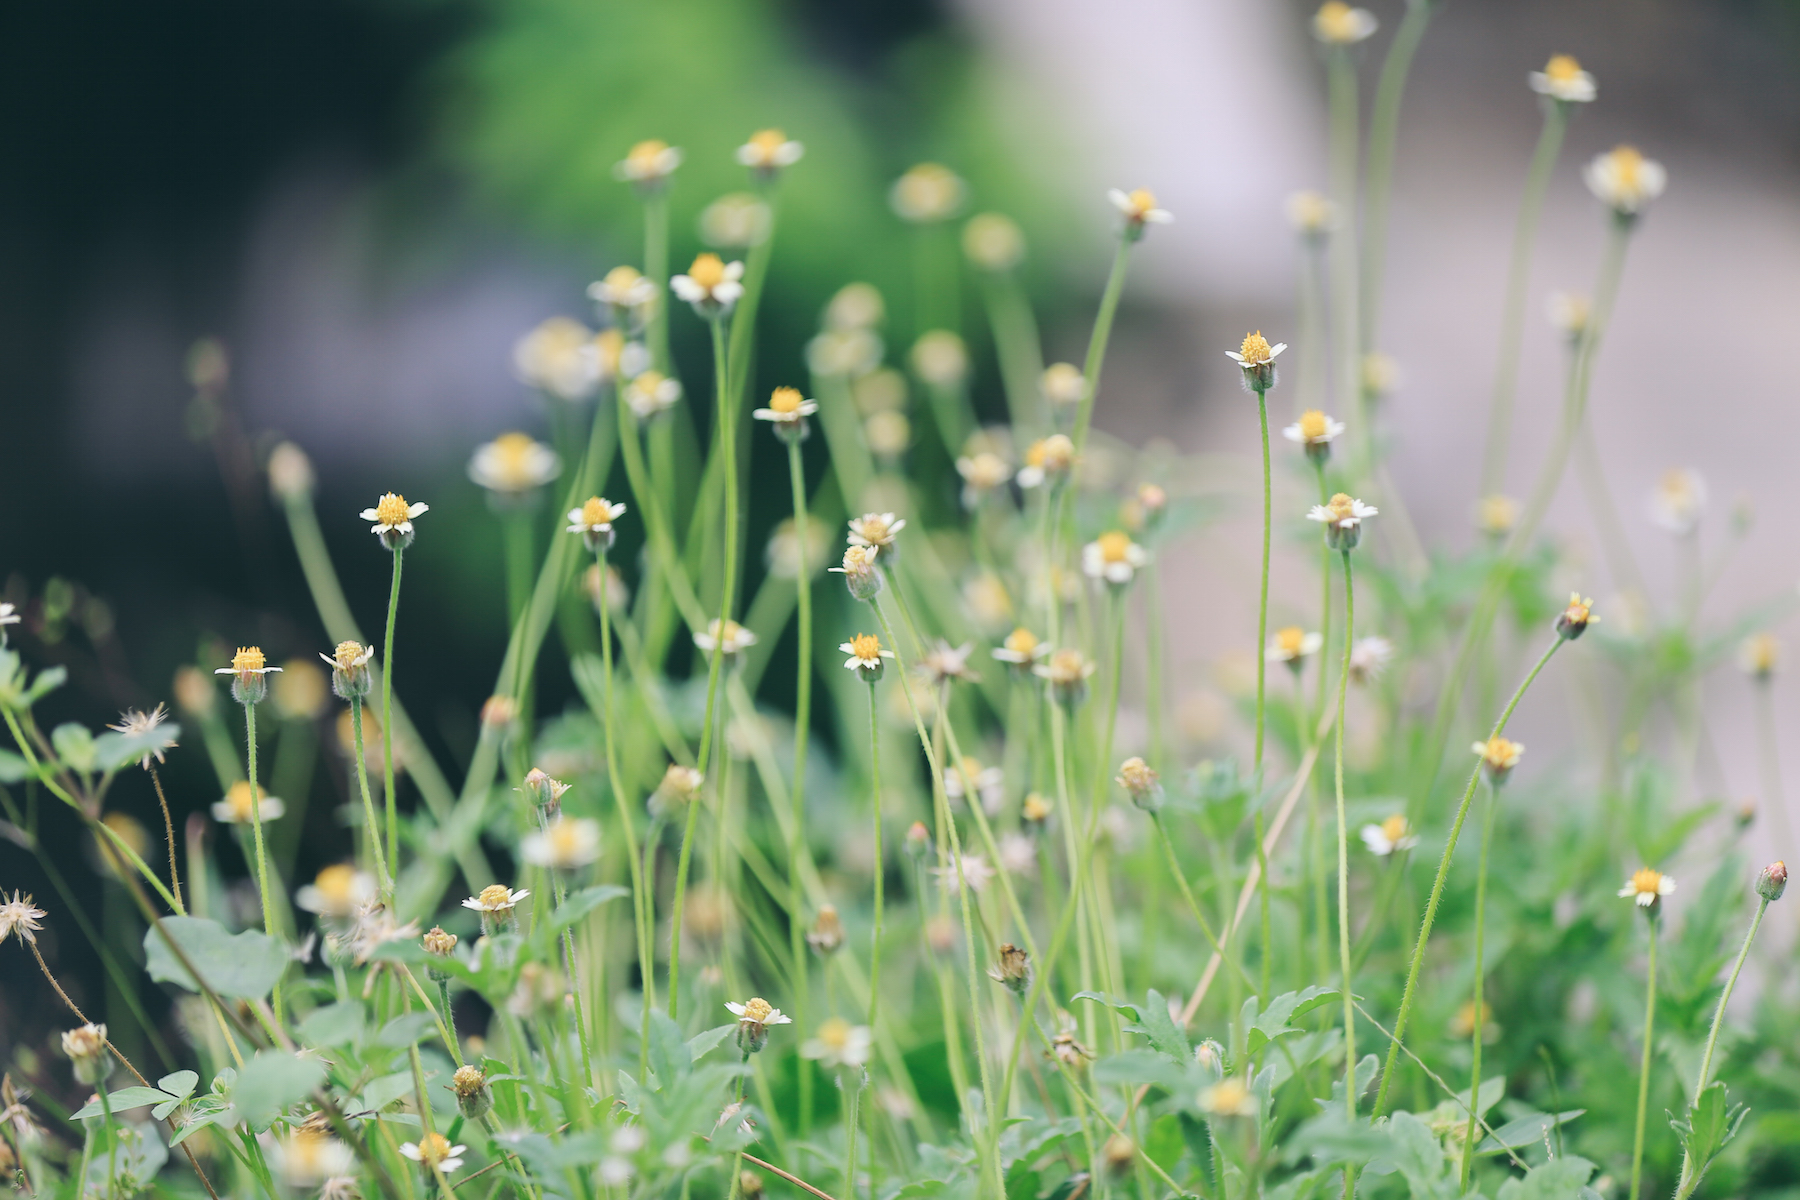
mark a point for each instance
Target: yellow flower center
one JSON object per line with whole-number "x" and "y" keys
{"x": 1502, "y": 752}
{"x": 1628, "y": 166}
{"x": 708, "y": 271}
{"x": 1115, "y": 547}
{"x": 495, "y": 895}
{"x": 766, "y": 142}
{"x": 835, "y": 1034}
{"x": 1036, "y": 808}
{"x": 1022, "y": 641}
{"x": 346, "y": 654}
{"x": 1562, "y": 68}
{"x": 1580, "y": 610}
{"x": 1067, "y": 666}
{"x": 1760, "y": 653}
{"x": 859, "y": 560}
{"x": 468, "y": 1080}
{"x": 391, "y": 510}
{"x": 1229, "y": 1095}
{"x": 756, "y": 1008}
{"x": 434, "y": 1147}
{"x": 336, "y": 883}
{"x": 248, "y": 658}
{"x": 644, "y": 155}
{"x": 565, "y": 839}
{"x": 1291, "y": 641}
{"x": 1394, "y": 828}
{"x": 595, "y": 512}
{"x": 513, "y": 452}
{"x": 1646, "y": 882}
{"x": 786, "y": 400}
{"x": 1312, "y": 425}
{"x": 1342, "y": 507}
{"x": 619, "y": 280}
{"x": 1142, "y": 201}
{"x": 866, "y": 646}
{"x": 1034, "y": 454}
{"x": 238, "y": 798}
{"x": 1255, "y": 351}
{"x": 1335, "y": 21}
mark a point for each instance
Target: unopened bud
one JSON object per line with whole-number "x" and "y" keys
{"x": 499, "y": 712}
{"x": 1772, "y": 881}
{"x": 543, "y": 791}
{"x": 473, "y": 1095}
{"x": 918, "y": 840}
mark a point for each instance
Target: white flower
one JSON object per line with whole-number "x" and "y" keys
{"x": 434, "y": 1149}
{"x": 849, "y": 352}
{"x": 1646, "y": 887}
{"x": 734, "y": 221}
{"x": 728, "y": 637}
{"x": 928, "y": 192}
{"x": 596, "y": 516}
{"x": 944, "y": 662}
{"x": 1679, "y": 500}
{"x": 875, "y": 529}
{"x": 840, "y": 1044}
{"x": 1313, "y": 428}
{"x": 1391, "y": 835}
{"x": 651, "y": 392}
{"x": 513, "y": 464}
{"x": 757, "y": 1011}
{"x": 987, "y": 782}
{"x": 981, "y": 474}
{"x": 337, "y": 891}
{"x": 1292, "y": 644}
{"x": 1022, "y": 648}
{"x": 1369, "y": 657}
{"x": 1337, "y": 24}
{"x": 9, "y": 615}
{"x": 940, "y": 358}
{"x": 1257, "y": 357}
{"x": 558, "y": 357}
{"x": 1624, "y": 180}
{"x": 865, "y": 653}
{"x": 787, "y": 407}
{"x": 306, "y": 1158}
{"x": 1047, "y": 459}
{"x": 710, "y": 285}
{"x": 393, "y": 516}
{"x": 1569, "y": 312}
{"x": 564, "y": 844}
{"x": 769, "y": 150}
{"x": 235, "y": 808}
{"x": 1064, "y": 384}
{"x": 648, "y": 163}
{"x": 993, "y": 242}
{"x": 19, "y": 915}
{"x": 496, "y": 898}
{"x": 623, "y": 288}
{"x": 1563, "y": 79}
{"x": 1113, "y": 557}
{"x": 1018, "y": 854}
{"x": 972, "y": 869}
{"x": 855, "y": 306}
{"x": 1342, "y": 518}
{"x": 1139, "y": 208}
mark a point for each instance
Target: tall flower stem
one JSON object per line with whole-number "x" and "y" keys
{"x": 1343, "y": 858}
{"x": 1689, "y": 1180}
{"x": 880, "y": 861}
{"x": 387, "y": 722}
{"x": 1643, "y": 1097}
{"x": 1518, "y": 276}
{"x": 370, "y": 822}
{"x": 1096, "y": 352}
{"x": 850, "y": 1079}
{"x": 1479, "y": 1011}
{"x": 1187, "y": 895}
{"x": 802, "y": 738}
{"x": 1262, "y": 605}
{"x": 262, "y": 858}
{"x": 1384, "y": 128}
{"x": 1437, "y": 885}
{"x": 728, "y": 448}
{"x": 169, "y": 833}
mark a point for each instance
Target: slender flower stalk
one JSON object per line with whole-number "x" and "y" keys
{"x": 1262, "y": 603}
{"x": 386, "y": 881}
{"x": 1643, "y": 1096}
{"x": 1343, "y": 855}
{"x": 1478, "y": 1009}
{"x": 880, "y": 860}
{"x": 802, "y": 739}
{"x": 387, "y": 721}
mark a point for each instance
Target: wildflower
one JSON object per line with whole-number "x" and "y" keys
{"x": 473, "y": 1095}
{"x": 1257, "y": 358}
{"x": 972, "y": 869}
{"x": 710, "y": 285}
{"x": 1311, "y": 215}
{"x": 993, "y": 242}
{"x": 435, "y": 1150}
{"x": 1064, "y": 385}
{"x": 290, "y": 472}
{"x": 918, "y": 840}
{"x": 18, "y": 915}
{"x": 855, "y": 306}
{"x": 336, "y": 891}
{"x": 1139, "y": 209}
{"x": 649, "y": 165}
{"x": 544, "y": 792}
{"x": 1022, "y": 649}
{"x": 1314, "y": 431}
{"x": 1462, "y": 1024}
{"x": 1496, "y": 515}
{"x": 1113, "y": 557}
{"x": 1679, "y": 500}
{"x": 650, "y": 393}
{"x": 1035, "y": 810}
{"x": 927, "y": 193}
{"x": 940, "y": 359}
{"x": 678, "y": 787}
{"x": 840, "y": 1044}
{"x": 1337, "y": 24}
{"x": 1646, "y": 888}
{"x": 1758, "y": 654}
{"x": 237, "y": 809}
{"x": 558, "y": 358}
{"x": 876, "y": 530}
{"x": 1625, "y": 181}
{"x": 340, "y": 1187}
{"x": 307, "y": 1157}
{"x": 1140, "y": 779}
{"x": 1152, "y": 502}
{"x": 1380, "y": 374}
{"x": 735, "y": 221}
{"x": 1013, "y": 971}
{"x": 1228, "y": 1098}
{"x": 350, "y": 669}
{"x": 755, "y": 1016}
{"x": 513, "y": 465}
{"x": 394, "y": 518}
{"x": 727, "y": 637}
{"x": 989, "y": 783}
{"x": 87, "y": 1051}
{"x": 134, "y": 723}
{"x": 769, "y": 150}
{"x": 440, "y": 946}
{"x": 888, "y": 434}
{"x": 1563, "y": 79}
{"x": 1047, "y": 460}
{"x": 1573, "y": 621}
{"x": 1064, "y": 1047}
{"x": 1771, "y": 881}
{"x": 1369, "y": 657}
{"x": 1067, "y": 672}
{"x": 944, "y": 663}
{"x": 374, "y": 927}
{"x": 625, "y": 290}
{"x": 249, "y": 671}
{"x": 1570, "y": 312}
{"x": 1017, "y": 854}
{"x": 783, "y": 553}
{"x": 594, "y": 522}
{"x": 1499, "y": 756}
{"x": 1342, "y": 518}
{"x": 495, "y": 903}
{"x": 859, "y": 572}
{"x": 981, "y": 474}
{"x": 564, "y": 844}
{"x": 865, "y": 656}
{"x": 1291, "y": 646}
{"x": 1395, "y": 833}
{"x": 827, "y": 933}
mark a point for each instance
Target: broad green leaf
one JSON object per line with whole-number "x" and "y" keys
{"x": 384, "y": 1091}
{"x": 13, "y": 769}
{"x": 243, "y": 966}
{"x": 405, "y": 1030}
{"x": 1161, "y": 1029}
{"x": 1143, "y": 1066}
{"x": 74, "y": 746}
{"x": 47, "y": 681}
{"x": 179, "y": 1087}
{"x": 669, "y": 1056}
{"x": 272, "y": 1082}
{"x": 1165, "y": 1143}
{"x": 1525, "y": 1131}
{"x": 1278, "y": 1018}
{"x": 333, "y": 1025}
{"x": 124, "y": 1098}
{"x": 1332, "y": 1139}
{"x": 1559, "y": 1179}
{"x": 584, "y": 902}
{"x": 1419, "y": 1156}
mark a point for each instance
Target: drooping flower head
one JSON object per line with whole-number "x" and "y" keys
{"x": 393, "y": 520}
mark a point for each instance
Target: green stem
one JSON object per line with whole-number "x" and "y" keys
{"x": 1343, "y": 853}
{"x": 1384, "y": 125}
{"x": 848, "y": 1081}
{"x": 802, "y": 738}
{"x": 656, "y": 266}
{"x": 1643, "y": 1097}
{"x": 1096, "y": 352}
{"x": 880, "y": 860}
{"x": 112, "y": 1144}
{"x": 1262, "y": 607}
{"x": 1689, "y": 1179}
{"x": 1437, "y": 885}
{"x": 369, "y": 819}
{"x": 1187, "y": 895}
{"x": 1480, "y": 990}
{"x": 262, "y": 861}
{"x": 387, "y": 722}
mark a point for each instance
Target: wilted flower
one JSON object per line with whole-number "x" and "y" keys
{"x": 1035, "y": 810}
{"x": 1114, "y": 557}
{"x": 350, "y": 669}
{"x": 558, "y": 358}
{"x": 1563, "y": 79}
{"x": 878, "y": 530}
{"x": 435, "y": 1150}
{"x": 944, "y": 663}
{"x": 1395, "y": 833}
{"x": 755, "y": 1016}
{"x": 649, "y": 164}
{"x": 1646, "y": 888}
{"x": 1573, "y": 621}
{"x": 134, "y": 723}
{"x": 1369, "y": 657}
{"x": 1625, "y": 181}
{"x": 1257, "y": 358}
{"x": 650, "y": 393}
{"x": 394, "y": 518}
{"x": 594, "y": 522}
{"x": 1047, "y": 460}
{"x": 473, "y": 1095}
{"x": 1292, "y": 645}
{"x": 727, "y": 637}
{"x": 237, "y": 809}
{"x": 1499, "y": 756}
{"x": 1140, "y": 779}
{"x": 839, "y": 1044}
{"x": 926, "y": 193}
{"x": 1342, "y": 518}
{"x": 710, "y": 285}
{"x": 1337, "y": 24}
{"x": 336, "y": 891}
{"x": 1758, "y": 654}
{"x": 679, "y": 786}
{"x": 1314, "y": 431}
{"x": 866, "y": 656}
{"x": 827, "y": 932}
{"x": 544, "y": 792}
{"x": 1064, "y": 1047}
{"x": 1138, "y": 208}
{"x": 1117, "y": 1155}
{"x": 1013, "y": 971}
{"x": 18, "y": 915}
{"x": 249, "y": 672}
{"x": 993, "y": 242}
{"x": 1679, "y": 500}
{"x": 1017, "y": 854}
{"x": 769, "y": 150}
{"x": 564, "y": 843}
{"x": 972, "y": 869}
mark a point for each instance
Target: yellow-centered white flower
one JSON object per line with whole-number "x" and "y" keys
{"x": 1563, "y": 79}
{"x": 1624, "y": 180}
{"x": 514, "y": 464}
{"x": 1114, "y": 557}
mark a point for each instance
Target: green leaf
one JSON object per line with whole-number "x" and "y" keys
{"x": 405, "y": 1030}
{"x": 384, "y": 1091}
{"x": 124, "y": 1098}
{"x": 179, "y": 1087}
{"x": 113, "y": 750}
{"x": 1161, "y": 1029}
{"x": 669, "y": 1057}
{"x": 271, "y": 1083}
{"x": 74, "y": 746}
{"x": 584, "y": 902}
{"x": 243, "y": 966}
{"x": 1559, "y": 1179}
{"x": 1712, "y": 1121}
{"x": 333, "y": 1025}
{"x": 1525, "y": 1131}
{"x": 47, "y": 681}
{"x": 13, "y": 769}
{"x": 1278, "y": 1018}
{"x": 702, "y": 1044}
{"x": 1419, "y": 1156}
{"x": 1165, "y": 1143}
{"x": 1143, "y": 1066}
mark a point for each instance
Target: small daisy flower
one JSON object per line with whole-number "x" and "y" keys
{"x": 473, "y": 1095}
{"x": 1337, "y": 24}
{"x": 1380, "y": 374}
{"x": 249, "y": 672}
{"x": 564, "y": 844}
{"x": 9, "y": 615}
{"x": 350, "y": 675}
{"x": 650, "y": 393}
{"x": 1113, "y": 557}
{"x": 981, "y": 474}
{"x": 649, "y": 164}
{"x": 1257, "y": 358}
{"x": 859, "y": 572}
{"x": 876, "y": 530}
{"x": 1369, "y": 657}
{"x": 135, "y": 723}
{"x": 336, "y": 891}
{"x": 1228, "y": 1098}
{"x": 394, "y": 518}
{"x": 1625, "y": 181}
{"x": 1496, "y": 515}
{"x": 1395, "y": 833}
{"x": 514, "y": 465}
{"x": 1573, "y": 621}
{"x": 1139, "y": 209}
{"x": 435, "y": 1150}
{"x": 1343, "y": 519}
{"x": 1315, "y": 432}
{"x": 18, "y": 915}
{"x": 972, "y": 869}
{"x": 755, "y": 1015}
{"x": 1067, "y": 673}
{"x": 1563, "y": 79}
{"x": 1679, "y": 500}
{"x": 1758, "y": 654}
{"x": 944, "y": 663}
{"x": 625, "y": 290}
{"x": 927, "y": 193}
{"x": 839, "y": 1044}
{"x": 1311, "y": 215}
{"x": 594, "y": 522}
{"x": 1064, "y": 385}
{"x": 1292, "y": 645}
{"x": 1047, "y": 460}
{"x": 1499, "y": 756}
{"x": 866, "y": 656}
{"x": 1022, "y": 649}
{"x": 617, "y": 357}
{"x": 768, "y": 151}
{"x": 236, "y": 808}
{"x": 993, "y": 242}
{"x": 495, "y": 903}
{"x": 788, "y": 411}
{"x": 727, "y": 637}
{"x": 679, "y": 786}
{"x": 989, "y": 783}
{"x": 1035, "y": 810}
{"x": 307, "y": 1157}
{"x": 711, "y": 285}
{"x": 735, "y": 221}
{"x": 1646, "y": 888}
{"x": 558, "y": 359}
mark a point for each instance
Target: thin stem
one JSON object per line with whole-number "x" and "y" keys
{"x": 169, "y": 832}
{"x": 1689, "y": 1177}
{"x": 387, "y": 721}
{"x": 854, "y": 1087}
{"x": 1343, "y": 855}
{"x": 1437, "y": 885}
{"x": 802, "y": 739}
{"x": 1643, "y": 1097}
{"x": 1384, "y": 125}
{"x": 1262, "y": 606}
{"x": 880, "y": 860}
{"x": 1479, "y": 1021}
{"x": 1187, "y": 895}
{"x": 1096, "y": 352}
{"x": 262, "y": 859}
{"x": 369, "y": 819}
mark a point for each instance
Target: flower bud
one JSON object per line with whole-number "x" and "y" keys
{"x": 750, "y": 1185}
{"x": 543, "y": 791}
{"x": 350, "y": 669}
{"x": 1772, "y": 881}
{"x": 499, "y": 713}
{"x": 439, "y": 945}
{"x": 86, "y": 1048}
{"x": 473, "y": 1095}
{"x": 1140, "y": 779}
{"x": 1573, "y": 621}
{"x": 290, "y": 472}
{"x": 860, "y": 574}
{"x": 918, "y": 840}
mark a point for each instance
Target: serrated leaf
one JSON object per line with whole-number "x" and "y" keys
{"x": 1161, "y": 1029}
{"x": 1278, "y": 1018}
{"x": 1712, "y": 1121}
{"x": 669, "y": 1057}
{"x": 703, "y": 1043}
{"x": 1559, "y": 1179}
{"x": 1419, "y": 1157}
{"x": 243, "y": 966}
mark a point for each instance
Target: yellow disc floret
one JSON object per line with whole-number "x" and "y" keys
{"x": 248, "y": 658}
{"x": 1312, "y": 424}
{"x": 786, "y": 399}
{"x": 708, "y": 271}
{"x": 496, "y": 896}
{"x": 392, "y": 510}
{"x": 1256, "y": 350}
{"x": 1115, "y": 547}
{"x": 866, "y": 646}
{"x": 1562, "y": 69}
